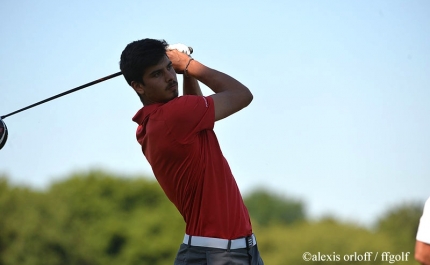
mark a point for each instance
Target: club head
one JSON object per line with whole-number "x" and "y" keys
{"x": 3, "y": 133}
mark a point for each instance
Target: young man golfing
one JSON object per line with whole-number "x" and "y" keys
{"x": 177, "y": 138}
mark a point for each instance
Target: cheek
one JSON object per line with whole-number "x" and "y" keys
{"x": 172, "y": 71}
{"x": 158, "y": 88}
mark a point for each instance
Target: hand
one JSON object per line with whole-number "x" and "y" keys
{"x": 179, "y": 60}
{"x": 180, "y": 47}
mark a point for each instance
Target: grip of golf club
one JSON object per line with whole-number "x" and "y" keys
{"x": 181, "y": 47}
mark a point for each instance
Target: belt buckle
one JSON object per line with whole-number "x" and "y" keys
{"x": 249, "y": 241}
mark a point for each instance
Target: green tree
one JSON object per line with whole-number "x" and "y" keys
{"x": 287, "y": 244}
{"x": 89, "y": 219}
{"x": 95, "y": 218}
{"x": 117, "y": 220}
{"x": 266, "y": 208}
{"x": 20, "y": 223}
{"x": 400, "y": 222}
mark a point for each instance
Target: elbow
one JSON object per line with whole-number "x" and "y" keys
{"x": 249, "y": 97}
{"x": 422, "y": 253}
{"x": 421, "y": 259}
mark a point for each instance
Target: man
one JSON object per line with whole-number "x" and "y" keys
{"x": 177, "y": 138}
{"x": 422, "y": 245}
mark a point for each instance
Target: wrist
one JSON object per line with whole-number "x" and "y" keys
{"x": 186, "y": 68}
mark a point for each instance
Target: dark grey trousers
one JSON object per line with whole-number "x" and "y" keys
{"x": 188, "y": 255}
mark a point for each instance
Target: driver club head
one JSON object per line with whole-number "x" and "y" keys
{"x": 3, "y": 133}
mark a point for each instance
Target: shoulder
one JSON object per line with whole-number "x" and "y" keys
{"x": 189, "y": 100}
{"x": 187, "y": 104}
{"x": 427, "y": 207}
{"x": 189, "y": 113}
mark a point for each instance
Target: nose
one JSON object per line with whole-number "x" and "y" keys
{"x": 170, "y": 75}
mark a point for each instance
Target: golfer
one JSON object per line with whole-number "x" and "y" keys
{"x": 177, "y": 138}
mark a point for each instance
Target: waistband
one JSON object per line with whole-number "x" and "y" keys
{"x": 212, "y": 242}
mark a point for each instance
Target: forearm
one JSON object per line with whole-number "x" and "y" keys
{"x": 230, "y": 95}
{"x": 191, "y": 86}
{"x": 215, "y": 80}
{"x": 422, "y": 253}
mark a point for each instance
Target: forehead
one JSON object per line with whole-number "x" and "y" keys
{"x": 161, "y": 64}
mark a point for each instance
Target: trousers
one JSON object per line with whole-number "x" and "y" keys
{"x": 192, "y": 255}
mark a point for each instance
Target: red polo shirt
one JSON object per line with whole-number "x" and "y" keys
{"x": 178, "y": 140}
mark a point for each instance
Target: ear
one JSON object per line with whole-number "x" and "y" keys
{"x": 138, "y": 87}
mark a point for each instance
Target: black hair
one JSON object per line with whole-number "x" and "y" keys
{"x": 139, "y": 55}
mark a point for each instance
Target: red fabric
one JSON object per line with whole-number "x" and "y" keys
{"x": 178, "y": 140}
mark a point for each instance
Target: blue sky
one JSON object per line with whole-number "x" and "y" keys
{"x": 340, "y": 117}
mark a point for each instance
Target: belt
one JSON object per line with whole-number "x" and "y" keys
{"x": 212, "y": 242}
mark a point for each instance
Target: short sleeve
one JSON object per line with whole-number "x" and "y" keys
{"x": 189, "y": 115}
{"x": 423, "y": 233}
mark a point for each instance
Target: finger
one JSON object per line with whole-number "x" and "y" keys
{"x": 181, "y": 48}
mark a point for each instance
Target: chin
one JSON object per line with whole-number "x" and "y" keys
{"x": 172, "y": 98}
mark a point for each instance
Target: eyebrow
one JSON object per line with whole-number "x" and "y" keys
{"x": 159, "y": 69}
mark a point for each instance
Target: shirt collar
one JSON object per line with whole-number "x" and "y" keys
{"x": 144, "y": 112}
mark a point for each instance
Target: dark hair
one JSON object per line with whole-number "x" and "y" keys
{"x": 139, "y": 55}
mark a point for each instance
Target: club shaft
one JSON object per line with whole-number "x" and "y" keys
{"x": 64, "y": 93}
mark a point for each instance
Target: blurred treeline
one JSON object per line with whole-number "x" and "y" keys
{"x": 95, "y": 218}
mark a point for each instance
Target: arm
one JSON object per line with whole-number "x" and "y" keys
{"x": 422, "y": 253}
{"x": 230, "y": 95}
{"x": 191, "y": 86}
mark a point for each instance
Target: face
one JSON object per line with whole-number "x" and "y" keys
{"x": 159, "y": 83}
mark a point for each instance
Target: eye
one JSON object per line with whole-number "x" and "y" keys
{"x": 169, "y": 66}
{"x": 156, "y": 74}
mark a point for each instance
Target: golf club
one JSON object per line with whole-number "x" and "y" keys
{"x": 3, "y": 133}
{"x": 3, "y": 128}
